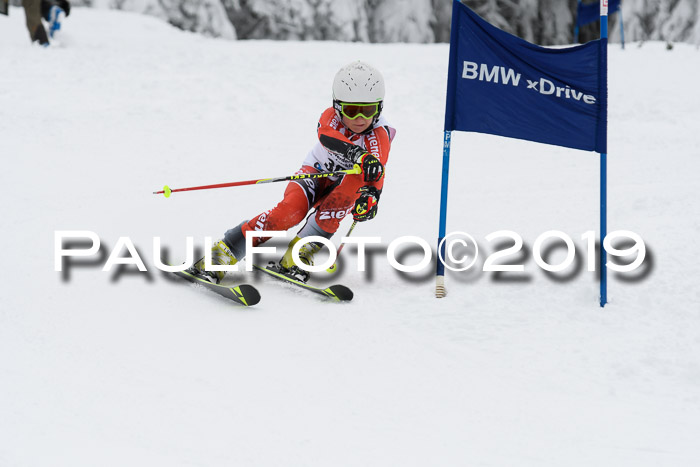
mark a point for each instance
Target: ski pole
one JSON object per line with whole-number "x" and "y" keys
{"x": 334, "y": 267}
{"x": 166, "y": 191}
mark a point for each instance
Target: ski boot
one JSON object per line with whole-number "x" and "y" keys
{"x": 220, "y": 256}
{"x": 56, "y": 17}
{"x": 306, "y": 255}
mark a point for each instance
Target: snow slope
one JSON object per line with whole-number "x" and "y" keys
{"x": 127, "y": 368}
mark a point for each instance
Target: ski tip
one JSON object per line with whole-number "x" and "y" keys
{"x": 340, "y": 292}
{"x": 251, "y": 294}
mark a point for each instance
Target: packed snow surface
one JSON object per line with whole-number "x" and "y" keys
{"x": 519, "y": 369}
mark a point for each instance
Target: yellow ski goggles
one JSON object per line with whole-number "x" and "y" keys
{"x": 353, "y": 110}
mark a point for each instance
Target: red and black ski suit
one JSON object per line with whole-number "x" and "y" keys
{"x": 332, "y": 198}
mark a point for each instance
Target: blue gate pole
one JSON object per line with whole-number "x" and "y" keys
{"x": 440, "y": 273}
{"x": 578, "y": 9}
{"x": 604, "y": 170}
{"x": 603, "y": 228}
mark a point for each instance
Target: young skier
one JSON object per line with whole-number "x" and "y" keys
{"x": 351, "y": 132}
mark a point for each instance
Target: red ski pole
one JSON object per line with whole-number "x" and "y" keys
{"x": 166, "y": 191}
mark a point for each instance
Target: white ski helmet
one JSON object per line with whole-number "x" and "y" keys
{"x": 358, "y": 82}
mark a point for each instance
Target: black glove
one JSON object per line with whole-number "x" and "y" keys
{"x": 366, "y": 205}
{"x": 371, "y": 167}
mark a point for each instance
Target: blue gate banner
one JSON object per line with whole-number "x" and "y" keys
{"x": 590, "y": 12}
{"x": 503, "y": 85}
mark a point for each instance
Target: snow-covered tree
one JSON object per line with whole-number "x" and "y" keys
{"x": 401, "y": 21}
{"x": 545, "y": 22}
{"x": 203, "y": 16}
{"x": 680, "y": 20}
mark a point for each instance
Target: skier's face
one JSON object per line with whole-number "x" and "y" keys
{"x": 358, "y": 125}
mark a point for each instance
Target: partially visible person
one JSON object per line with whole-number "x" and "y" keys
{"x": 53, "y": 11}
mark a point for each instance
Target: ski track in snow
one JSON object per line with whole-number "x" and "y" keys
{"x": 109, "y": 368}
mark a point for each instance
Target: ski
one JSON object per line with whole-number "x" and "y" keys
{"x": 337, "y": 292}
{"x": 243, "y": 294}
